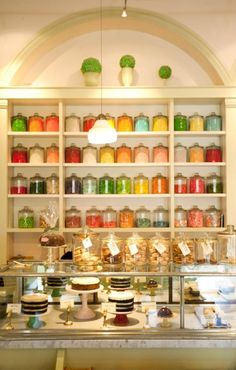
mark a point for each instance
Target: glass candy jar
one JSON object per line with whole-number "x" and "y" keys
{"x": 160, "y": 122}
{"x": 35, "y": 123}
{"x": 227, "y": 245}
{"x": 107, "y": 154}
{"x": 106, "y": 185}
{"x": 141, "y": 123}
{"x": 36, "y": 154}
{"x": 18, "y": 184}
{"x": 213, "y": 122}
{"x": 197, "y": 184}
{"x": 123, "y": 154}
{"x": 112, "y": 252}
{"x": 214, "y": 184}
{"x": 111, "y": 120}
{"x": 141, "y": 184}
{"x": 196, "y": 122}
{"x": 160, "y": 154}
{"x": 160, "y": 184}
{"x": 124, "y": 123}
{"x": 142, "y": 217}
{"x": 89, "y": 184}
{"x": 180, "y": 217}
{"x": 52, "y": 154}
{"x": 206, "y": 251}
{"x": 25, "y": 218}
{"x": 196, "y": 153}
{"x": 183, "y": 251}
{"x": 72, "y": 154}
{"x": 88, "y": 122}
{"x": 73, "y": 218}
{"x": 126, "y": 218}
{"x": 213, "y": 153}
{"x": 180, "y": 153}
{"x": 158, "y": 253}
{"x": 87, "y": 250}
{"x": 73, "y": 184}
{"x": 135, "y": 253}
{"x": 37, "y": 185}
{"x": 160, "y": 217}
{"x": 52, "y": 184}
{"x": 19, "y": 123}
{"x": 212, "y": 217}
{"x": 89, "y": 154}
{"x": 109, "y": 217}
{"x": 52, "y": 123}
{"x": 195, "y": 217}
{"x": 180, "y": 122}
{"x": 141, "y": 154}
{"x": 180, "y": 184}
{"x": 93, "y": 217}
{"x": 19, "y": 154}
{"x": 72, "y": 123}
{"x": 123, "y": 185}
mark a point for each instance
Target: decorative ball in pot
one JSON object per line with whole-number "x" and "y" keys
{"x": 91, "y": 69}
{"x": 127, "y": 64}
{"x": 165, "y": 314}
{"x": 164, "y": 73}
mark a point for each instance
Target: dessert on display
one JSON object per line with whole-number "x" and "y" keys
{"x": 34, "y": 304}
{"x": 85, "y": 283}
{"x": 120, "y": 282}
{"x": 51, "y": 237}
{"x": 165, "y": 314}
{"x": 124, "y": 301}
{"x": 56, "y": 281}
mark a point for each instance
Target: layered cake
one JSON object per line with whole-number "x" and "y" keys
{"x": 56, "y": 281}
{"x": 124, "y": 301}
{"x": 85, "y": 283}
{"x": 120, "y": 282}
{"x": 34, "y": 304}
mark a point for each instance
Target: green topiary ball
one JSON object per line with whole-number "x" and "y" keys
{"x": 165, "y": 72}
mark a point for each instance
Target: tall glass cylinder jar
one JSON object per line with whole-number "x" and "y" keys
{"x": 18, "y": 184}
{"x": 109, "y": 217}
{"x": 159, "y": 254}
{"x": 141, "y": 123}
{"x": 72, "y": 154}
{"x": 36, "y": 123}
{"x": 142, "y": 217}
{"x": 196, "y": 122}
{"x": 123, "y": 154}
{"x": 87, "y": 250}
{"x": 214, "y": 184}
{"x": 197, "y": 184}
{"x": 141, "y": 154}
{"x": 107, "y": 154}
{"x": 141, "y": 184}
{"x": 72, "y": 123}
{"x": 19, "y": 123}
{"x": 213, "y": 153}
{"x": 180, "y": 153}
{"x": 195, "y": 217}
{"x": 180, "y": 122}
{"x": 183, "y": 251}
{"x": 180, "y": 184}
{"x": 26, "y": 218}
{"x": 206, "y": 250}
{"x": 52, "y": 123}
{"x": 160, "y": 154}
{"x": 135, "y": 253}
{"x": 89, "y": 154}
{"x": 112, "y": 252}
{"x": 72, "y": 218}
{"x": 37, "y": 184}
{"x": 52, "y": 154}
{"x": 88, "y": 122}
{"x": 52, "y": 184}
{"x": 180, "y": 217}
{"x": 123, "y": 185}
{"x": 160, "y": 122}
{"x": 227, "y": 245}
{"x": 160, "y": 217}
{"x": 212, "y": 217}
{"x": 124, "y": 123}
{"x": 126, "y": 218}
{"x": 73, "y": 184}
{"x": 36, "y": 154}
{"x": 89, "y": 184}
{"x": 106, "y": 185}
{"x": 196, "y": 153}
{"x": 19, "y": 154}
{"x": 213, "y": 122}
{"x": 160, "y": 184}
{"x": 93, "y": 217}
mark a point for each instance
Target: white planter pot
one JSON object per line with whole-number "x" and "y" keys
{"x": 127, "y": 76}
{"x": 91, "y": 78}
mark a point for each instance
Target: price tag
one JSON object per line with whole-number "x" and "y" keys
{"x": 65, "y": 303}
{"x": 87, "y": 242}
{"x": 108, "y": 306}
{"x": 146, "y": 306}
{"x": 133, "y": 249}
{"x": 230, "y": 248}
{"x": 207, "y": 248}
{"x": 113, "y": 248}
{"x": 184, "y": 248}
{"x": 14, "y": 307}
{"x": 161, "y": 248}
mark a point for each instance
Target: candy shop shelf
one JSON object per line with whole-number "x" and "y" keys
{"x": 198, "y": 229}
{"x": 26, "y": 230}
{"x": 199, "y": 133}
{"x": 116, "y": 196}
{"x": 199, "y": 164}
{"x": 205, "y": 195}
{"x": 97, "y": 165}
{"x": 26, "y": 134}
{"x": 33, "y": 196}
{"x": 123, "y": 230}
{"x": 128, "y": 134}
{"x": 33, "y": 165}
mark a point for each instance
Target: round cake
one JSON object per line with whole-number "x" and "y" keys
{"x": 152, "y": 283}
{"x": 124, "y": 301}
{"x": 52, "y": 240}
{"x": 120, "y": 282}
{"x": 165, "y": 312}
{"x": 56, "y": 281}
{"x": 85, "y": 283}
{"x": 34, "y": 304}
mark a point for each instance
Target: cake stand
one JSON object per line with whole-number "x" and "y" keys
{"x": 84, "y": 312}
{"x": 56, "y": 290}
{"x": 120, "y": 289}
{"x": 121, "y": 318}
{"x": 50, "y": 252}
{"x": 34, "y": 321}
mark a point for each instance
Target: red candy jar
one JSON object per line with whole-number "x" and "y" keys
{"x": 196, "y": 184}
{"x": 72, "y": 154}
{"x": 52, "y": 123}
{"x": 19, "y": 154}
{"x": 180, "y": 184}
{"x": 88, "y": 122}
{"x": 213, "y": 153}
{"x": 93, "y": 217}
{"x": 18, "y": 184}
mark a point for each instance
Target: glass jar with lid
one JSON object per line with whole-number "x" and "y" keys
{"x": 124, "y": 123}
{"x": 36, "y": 154}
{"x": 158, "y": 253}
{"x": 180, "y": 153}
{"x": 107, "y": 154}
{"x": 195, "y": 217}
{"x": 72, "y": 218}
{"x": 36, "y": 123}
{"x": 206, "y": 250}
{"x": 212, "y": 217}
{"x": 109, "y": 217}
{"x": 88, "y": 122}
{"x": 227, "y": 245}
{"x": 112, "y": 251}
{"x": 213, "y": 153}
{"x": 52, "y": 184}
{"x": 111, "y": 120}
{"x": 18, "y": 184}
{"x": 196, "y": 122}
{"x": 106, "y": 185}
{"x": 52, "y": 122}
{"x": 160, "y": 154}
{"x": 89, "y": 154}
{"x": 93, "y": 217}
{"x": 73, "y": 184}
{"x": 19, "y": 123}
{"x": 160, "y": 122}
{"x": 141, "y": 184}
{"x": 160, "y": 184}
{"x": 214, "y": 184}
{"x": 123, "y": 154}
{"x": 126, "y": 218}
{"x": 89, "y": 184}
{"x": 197, "y": 184}
{"x": 87, "y": 250}
{"x": 183, "y": 251}
{"x": 180, "y": 184}
{"x": 160, "y": 217}
{"x": 19, "y": 154}
{"x": 52, "y": 154}
{"x": 142, "y": 217}
{"x": 141, "y": 154}
{"x": 72, "y": 123}
{"x": 37, "y": 184}
{"x": 196, "y": 153}
{"x": 72, "y": 154}
{"x": 180, "y": 217}
{"x": 135, "y": 250}
{"x": 180, "y": 122}
{"x": 213, "y": 122}
{"x": 141, "y": 123}
{"x": 26, "y": 218}
{"x": 123, "y": 185}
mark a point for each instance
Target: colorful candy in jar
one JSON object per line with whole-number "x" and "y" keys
{"x": 123, "y": 185}
{"x": 213, "y": 122}
{"x": 36, "y": 123}
{"x": 72, "y": 154}
{"x": 19, "y": 154}
{"x": 180, "y": 219}
{"x": 196, "y": 122}
{"x": 36, "y": 154}
{"x": 19, "y": 123}
{"x": 141, "y": 184}
{"x": 111, "y": 120}
{"x": 160, "y": 154}
{"x": 126, "y": 218}
{"x": 109, "y": 218}
{"x": 88, "y": 122}
{"x": 73, "y": 218}
{"x": 107, "y": 154}
{"x": 141, "y": 154}
{"x": 25, "y": 218}
{"x": 214, "y": 184}
{"x": 123, "y": 154}
{"x": 18, "y": 184}
{"x": 213, "y": 153}
{"x": 160, "y": 184}
{"x": 180, "y": 184}
{"x": 89, "y": 184}
{"x": 52, "y": 154}
{"x": 212, "y": 217}
{"x": 196, "y": 153}
{"x": 180, "y": 122}
{"x": 89, "y": 154}
{"x": 73, "y": 184}
{"x": 160, "y": 217}
{"x": 52, "y": 123}
{"x": 72, "y": 123}
{"x": 142, "y": 217}
{"x": 37, "y": 184}
{"x": 93, "y": 217}
{"x": 197, "y": 184}
{"x": 52, "y": 184}
{"x": 141, "y": 123}
{"x": 124, "y": 123}
{"x": 180, "y": 153}
{"x": 195, "y": 217}
{"x": 106, "y": 185}
{"x": 160, "y": 122}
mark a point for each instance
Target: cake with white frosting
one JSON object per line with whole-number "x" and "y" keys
{"x": 120, "y": 282}
{"x": 124, "y": 301}
{"x": 34, "y": 304}
{"x": 85, "y": 283}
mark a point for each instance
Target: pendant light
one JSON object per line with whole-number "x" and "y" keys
{"x": 101, "y": 132}
{"x": 124, "y": 11}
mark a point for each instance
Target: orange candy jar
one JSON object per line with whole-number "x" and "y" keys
{"x": 125, "y": 123}
{"x": 160, "y": 184}
{"x": 52, "y": 123}
{"x": 36, "y": 123}
{"x": 124, "y": 154}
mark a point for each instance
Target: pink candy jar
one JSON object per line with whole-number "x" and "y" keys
{"x": 195, "y": 217}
